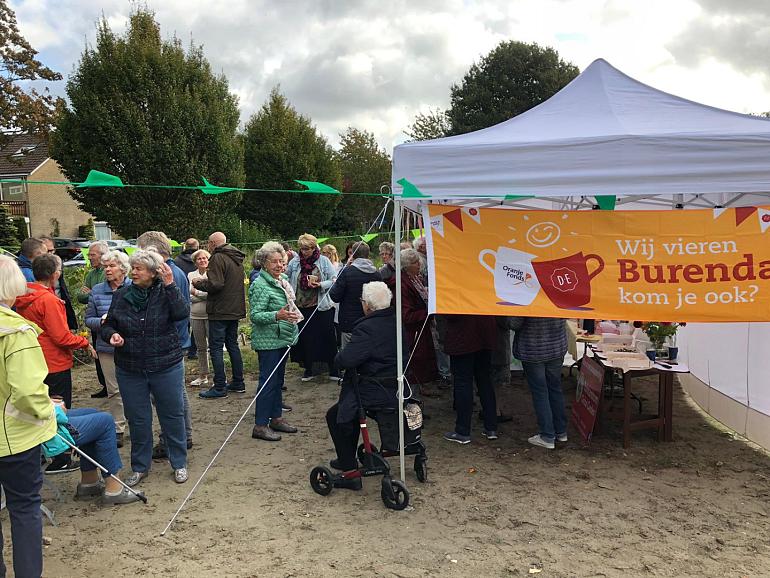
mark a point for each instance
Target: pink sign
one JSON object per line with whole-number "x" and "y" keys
{"x": 587, "y": 397}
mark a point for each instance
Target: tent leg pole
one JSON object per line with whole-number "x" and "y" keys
{"x": 399, "y": 333}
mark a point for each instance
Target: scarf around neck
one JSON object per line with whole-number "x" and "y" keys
{"x": 306, "y": 267}
{"x": 137, "y": 296}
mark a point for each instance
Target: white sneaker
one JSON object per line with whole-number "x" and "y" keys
{"x": 180, "y": 475}
{"x": 200, "y": 382}
{"x": 561, "y": 437}
{"x": 538, "y": 440}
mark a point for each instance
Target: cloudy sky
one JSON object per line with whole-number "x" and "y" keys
{"x": 374, "y": 65}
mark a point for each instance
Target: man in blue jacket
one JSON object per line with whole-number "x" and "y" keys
{"x": 30, "y": 248}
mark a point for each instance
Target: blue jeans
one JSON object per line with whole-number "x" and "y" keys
{"x": 269, "y": 402}
{"x": 21, "y": 478}
{"x": 96, "y": 438}
{"x": 465, "y": 368}
{"x": 544, "y": 380}
{"x": 135, "y": 388}
{"x": 225, "y": 333}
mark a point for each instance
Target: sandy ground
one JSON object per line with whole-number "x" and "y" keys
{"x": 694, "y": 507}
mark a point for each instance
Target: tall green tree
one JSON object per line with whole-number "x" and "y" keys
{"x": 282, "y": 145}
{"x": 8, "y": 231}
{"x": 429, "y": 125}
{"x": 511, "y": 79}
{"x": 365, "y": 168}
{"x": 27, "y": 111}
{"x": 150, "y": 112}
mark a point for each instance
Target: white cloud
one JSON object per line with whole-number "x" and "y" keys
{"x": 374, "y": 65}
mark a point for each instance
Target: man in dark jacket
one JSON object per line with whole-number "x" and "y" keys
{"x": 185, "y": 263}
{"x": 225, "y": 306}
{"x": 184, "y": 260}
{"x": 469, "y": 342}
{"x": 347, "y": 289}
{"x": 371, "y": 351}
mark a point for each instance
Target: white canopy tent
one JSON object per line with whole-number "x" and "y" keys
{"x": 603, "y": 135}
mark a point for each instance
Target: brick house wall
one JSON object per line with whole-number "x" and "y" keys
{"x": 46, "y": 202}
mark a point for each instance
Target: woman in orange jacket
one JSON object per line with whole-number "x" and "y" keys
{"x": 41, "y": 306}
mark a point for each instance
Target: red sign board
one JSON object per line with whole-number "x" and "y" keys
{"x": 589, "y": 391}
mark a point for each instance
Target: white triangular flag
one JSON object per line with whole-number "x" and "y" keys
{"x": 718, "y": 211}
{"x": 437, "y": 224}
{"x": 764, "y": 219}
{"x": 473, "y": 213}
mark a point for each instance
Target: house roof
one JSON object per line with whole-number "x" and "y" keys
{"x": 23, "y": 154}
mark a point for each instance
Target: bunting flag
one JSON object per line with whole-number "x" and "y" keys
{"x": 209, "y": 189}
{"x": 314, "y": 187}
{"x": 410, "y": 191}
{"x": 764, "y": 219}
{"x": 322, "y": 239}
{"x": 743, "y": 213}
{"x": 100, "y": 179}
{"x": 606, "y": 202}
{"x": 718, "y": 211}
{"x": 473, "y": 213}
{"x": 455, "y": 217}
{"x": 368, "y": 237}
{"x": 437, "y": 224}
{"x": 416, "y": 233}
{"x": 84, "y": 252}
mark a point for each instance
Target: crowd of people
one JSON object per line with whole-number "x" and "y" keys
{"x": 145, "y": 313}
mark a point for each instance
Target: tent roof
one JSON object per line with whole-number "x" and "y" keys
{"x": 602, "y": 134}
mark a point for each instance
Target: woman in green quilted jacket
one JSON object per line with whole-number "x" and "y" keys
{"x": 274, "y": 318}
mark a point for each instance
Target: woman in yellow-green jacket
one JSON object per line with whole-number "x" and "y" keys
{"x": 28, "y": 420}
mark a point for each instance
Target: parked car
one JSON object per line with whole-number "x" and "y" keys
{"x": 69, "y": 248}
{"x": 77, "y": 261}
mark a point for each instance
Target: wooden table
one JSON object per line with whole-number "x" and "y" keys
{"x": 662, "y": 422}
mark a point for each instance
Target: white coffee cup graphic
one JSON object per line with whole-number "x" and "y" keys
{"x": 515, "y": 279}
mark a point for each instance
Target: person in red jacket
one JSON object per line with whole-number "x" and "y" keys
{"x": 41, "y": 306}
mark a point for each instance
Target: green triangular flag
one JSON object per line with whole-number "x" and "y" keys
{"x": 368, "y": 237}
{"x": 84, "y": 252}
{"x": 606, "y": 202}
{"x": 416, "y": 233}
{"x": 99, "y": 179}
{"x": 129, "y": 250}
{"x": 314, "y": 187}
{"x": 322, "y": 239}
{"x": 174, "y": 243}
{"x": 410, "y": 191}
{"x": 209, "y": 189}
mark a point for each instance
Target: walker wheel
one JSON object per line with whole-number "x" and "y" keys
{"x": 394, "y": 494}
{"x": 421, "y": 468}
{"x": 321, "y": 480}
{"x": 362, "y": 452}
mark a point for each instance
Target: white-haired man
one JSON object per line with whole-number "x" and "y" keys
{"x": 372, "y": 353}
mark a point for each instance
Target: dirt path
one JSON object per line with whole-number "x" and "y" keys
{"x": 695, "y": 507}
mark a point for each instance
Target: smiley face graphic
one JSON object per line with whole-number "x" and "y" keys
{"x": 543, "y": 234}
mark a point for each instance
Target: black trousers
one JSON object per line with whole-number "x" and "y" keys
{"x": 345, "y": 438}
{"x": 60, "y": 383}
{"x": 99, "y": 372}
{"x": 21, "y": 478}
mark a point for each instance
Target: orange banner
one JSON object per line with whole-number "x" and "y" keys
{"x": 677, "y": 265}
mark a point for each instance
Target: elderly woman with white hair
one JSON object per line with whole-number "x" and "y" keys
{"x": 115, "y": 267}
{"x": 372, "y": 353}
{"x": 140, "y": 325}
{"x": 274, "y": 317}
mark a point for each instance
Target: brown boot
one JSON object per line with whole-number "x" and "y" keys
{"x": 262, "y": 432}
{"x": 281, "y": 425}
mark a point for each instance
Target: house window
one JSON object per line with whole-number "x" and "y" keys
{"x": 13, "y": 191}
